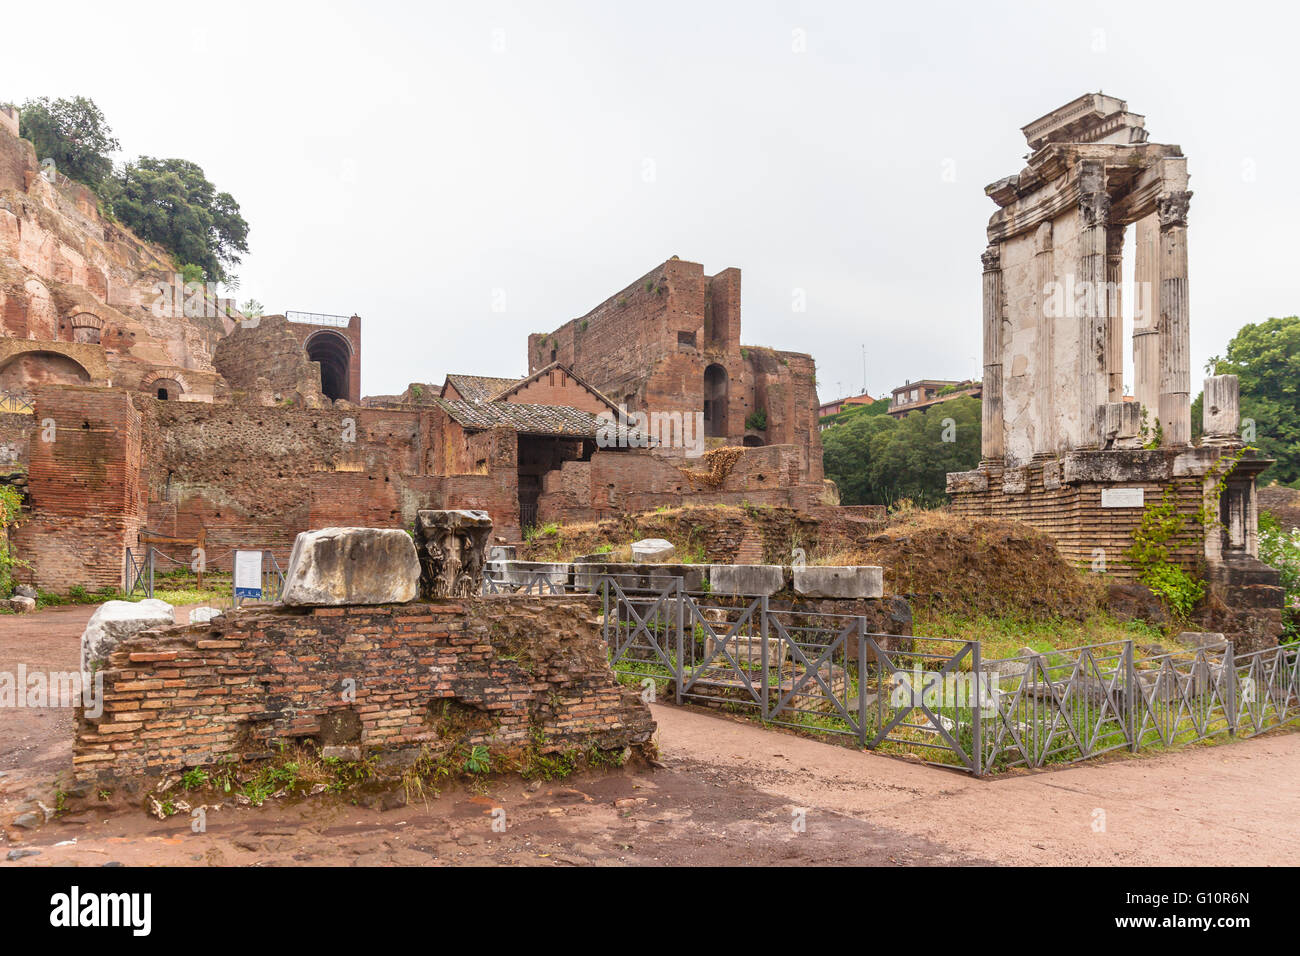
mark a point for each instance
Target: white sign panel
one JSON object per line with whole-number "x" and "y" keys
{"x": 248, "y": 574}
{"x": 1121, "y": 498}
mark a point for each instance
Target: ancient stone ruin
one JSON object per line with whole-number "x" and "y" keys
{"x": 452, "y": 548}
{"x": 1063, "y": 447}
{"x": 357, "y": 664}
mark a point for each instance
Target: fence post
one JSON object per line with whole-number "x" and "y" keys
{"x": 151, "y": 554}
{"x": 1131, "y": 721}
{"x": 1230, "y": 662}
{"x": 862, "y": 682}
{"x": 763, "y": 650}
{"x": 977, "y": 738}
{"x": 680, "y": 667}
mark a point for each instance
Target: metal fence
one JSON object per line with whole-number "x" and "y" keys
{"x": 318, "y": 318}
{"x": 143, "y": 567}
{"x": 936, "y": 699}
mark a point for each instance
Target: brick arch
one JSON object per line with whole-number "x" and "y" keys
{"x": 165, "y": 378}
{"x": 86, "y": 327}
{"x": 334, "y": 353}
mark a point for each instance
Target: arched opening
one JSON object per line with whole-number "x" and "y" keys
{"x": 167, "y": 389}
{"x": 334, "y": 354}
{"x": 715, "y": 401}
{"x": 86, "y": 328}
{"x": 41, "y": 368}
{"x": 753, "y": 441}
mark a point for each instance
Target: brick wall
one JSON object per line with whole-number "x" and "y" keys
{"x": 1072, "y": 514}
{"x": 84, "y": 487}
{"x": 510, "y": 667}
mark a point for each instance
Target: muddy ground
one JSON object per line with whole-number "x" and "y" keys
{"x": 727, "y": 792}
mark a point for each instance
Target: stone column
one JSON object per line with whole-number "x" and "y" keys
{"x": 991, "y": 428}
{"x": 1114, "y": 314}
{"x": 1146, "y": 316}
{"x": 1093, "y": 370}
{"x": 1045, "y": 430}
{"x": 1175, "y": 326}
{"x": 1221, "y": 408}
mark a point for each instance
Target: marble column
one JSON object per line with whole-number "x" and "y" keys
{"x": 992, "y": 445}
{"x": 1146, "y": 316}
{"x": 1175, "y": 325}
{"x": 1093, "y": 370}
{"x": 1114, "y": 314}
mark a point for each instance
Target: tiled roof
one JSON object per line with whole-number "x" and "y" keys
{"x": 480, "y": 388}
{"x": 525, "y": 419}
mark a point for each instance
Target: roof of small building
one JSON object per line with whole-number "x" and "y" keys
{"x": 480, "y": 388}
{"x": 525, "y": 419}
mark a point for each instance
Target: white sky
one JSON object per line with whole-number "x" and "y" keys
{"x": 405, "y": 160}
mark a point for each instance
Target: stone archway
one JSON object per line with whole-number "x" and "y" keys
{"x": 26, "y": 369}
{"x": 334, "y": 353}
{"x": 715, "y": 401}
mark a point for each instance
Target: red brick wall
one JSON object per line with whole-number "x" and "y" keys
{"x": 84, "y": 486}
{"x": 520, "y": 666}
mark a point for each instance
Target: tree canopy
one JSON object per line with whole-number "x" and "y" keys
{"x": 74, "y": 134}
{"x": 171, "y": 202}
{"x": 1265, "y": 357}
{"x": 878, "y": 459}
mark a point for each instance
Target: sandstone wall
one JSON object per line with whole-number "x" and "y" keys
{"x": 498, "y": 672}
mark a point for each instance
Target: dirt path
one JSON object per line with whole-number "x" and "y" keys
{"x": 728, "y": 792}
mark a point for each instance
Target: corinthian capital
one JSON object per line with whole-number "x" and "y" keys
{"x": 1172, "y": 209}
{"x": 992, "y": 258}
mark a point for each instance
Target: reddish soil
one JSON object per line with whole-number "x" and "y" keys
{"x": 728, "y": 792}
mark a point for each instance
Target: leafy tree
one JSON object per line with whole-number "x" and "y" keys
{"x": 878, "y": 459}
{"x": 1265, "y": 357}
{"x": 171, "y": 202}
{"x": 73, "y": 133}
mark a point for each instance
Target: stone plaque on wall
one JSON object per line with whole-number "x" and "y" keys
{"x": 1121, "y": 498}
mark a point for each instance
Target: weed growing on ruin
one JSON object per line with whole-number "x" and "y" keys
{"x": 11, "y": 509}
{"x": 194, "y": 779}
{"x": 1150, "y": 556}
{"x": 478, "y": 760}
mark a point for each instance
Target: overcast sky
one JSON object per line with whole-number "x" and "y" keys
{"x": 405, "y": 161}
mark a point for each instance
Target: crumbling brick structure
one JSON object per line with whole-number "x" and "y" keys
{"x": 508, "y": 673}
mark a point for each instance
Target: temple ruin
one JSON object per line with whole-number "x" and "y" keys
{"x": 1063, "y": 447}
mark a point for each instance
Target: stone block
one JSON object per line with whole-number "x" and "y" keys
{"x": 201, "y": 615}
{"x": 115, "y": 621}
{"x": 1201, "y": 639}
{"x": 337, "y": 566}
{"x": 21, "y": 604}
{"x": 749, "y": 580}
{"x": 863, "y": 581}
{"x": 967, "y": 481}
{"x": 651, "y": 550}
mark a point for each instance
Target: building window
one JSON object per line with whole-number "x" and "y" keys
{"x": 686, "y": 338}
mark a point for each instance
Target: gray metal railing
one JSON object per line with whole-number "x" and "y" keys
{"x": 318, "y": 318}
{"x": 937, "y": 699}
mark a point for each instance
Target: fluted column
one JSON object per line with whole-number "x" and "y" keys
{"x": 1114, "y": 314}
{"x": 991, "y": 433}
{"x": 1175, "y": 324}
{"x": 1146, "y": 316}
{"x": 1093, "y": 370}
{"x": 1045, "y": 430}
